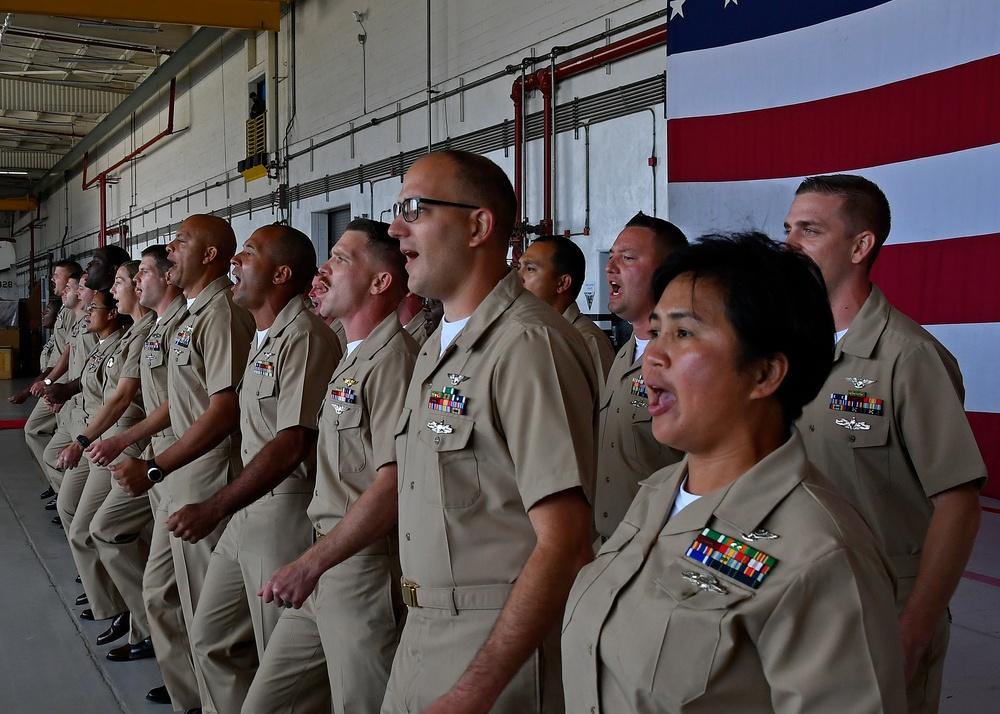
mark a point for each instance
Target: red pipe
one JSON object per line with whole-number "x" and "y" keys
{"x": 544, "y": 81}
{"x": 101, "y": 178}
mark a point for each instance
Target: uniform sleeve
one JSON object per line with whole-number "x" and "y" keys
{"x": 833, "y": 642}
{"x": 385, "y": 392}
{"x": 306, "y": 365}
{"x": 224, "y": 341}
{"x": 546, "y": 400}
{"x": 132, "y": 354}
{"x": 934, "y": 427}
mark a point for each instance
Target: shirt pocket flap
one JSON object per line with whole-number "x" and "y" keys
{"x": 877, "y": 434}
{"x": 349, "y": 419}
{"x": 696, "y": 587}
{"x": 265, "y": 388}
{"x": 450, "y": 435}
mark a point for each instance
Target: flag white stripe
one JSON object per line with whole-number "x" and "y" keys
{"x": 982, "y": 378}
{"x": 887, "y": 43}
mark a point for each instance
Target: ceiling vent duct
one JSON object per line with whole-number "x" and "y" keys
{"x": 19, "y": 95}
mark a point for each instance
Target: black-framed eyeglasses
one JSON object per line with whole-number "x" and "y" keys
{"x": 93, "y": 306}
{"x": 410, "y": 207}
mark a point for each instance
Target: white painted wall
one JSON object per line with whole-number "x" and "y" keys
{"x": 471, "y": 39}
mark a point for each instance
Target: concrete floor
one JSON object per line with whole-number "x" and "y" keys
{"x": 49, "y": 664}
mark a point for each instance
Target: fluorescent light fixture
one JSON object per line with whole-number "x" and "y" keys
{"x": 13, "y": 173}
{"x": 120, "y": 26}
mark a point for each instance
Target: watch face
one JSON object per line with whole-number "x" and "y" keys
{"x": 155, "y": 475}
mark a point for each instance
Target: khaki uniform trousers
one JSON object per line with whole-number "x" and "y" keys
{"x": 60, "y": 440}
{"x": 38, "y": 431}
{"x": 105, "y": 599}
{"x": 164, "y": 613}
{"x": 439, "y": 643}
{"x": 232, "y": 625}
{"x": 120, "y": 531}
{"x": 923, "y": 693}
{"x": 340, "y": 643}
{"x": 190, "y": 561}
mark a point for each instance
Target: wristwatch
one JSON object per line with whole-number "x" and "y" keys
{"x": 47, "y": 382}
{"x": 154, "y": 472}
{"x": 83, "y": 441}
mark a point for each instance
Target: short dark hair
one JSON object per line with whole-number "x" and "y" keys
{"x": 486, "y": 185}
{"x": 667, "y": 236}
{"x": 116, "y": 255}
{"x": 383, "y": 249}
{"x": 567, "y": 259}
{"x": 865, "y": 207}
{"x": 775, "y": 300}
{"x": 159, "y": 255}
{"x": 74, "y": 268}
{"x": 295, "y": 249}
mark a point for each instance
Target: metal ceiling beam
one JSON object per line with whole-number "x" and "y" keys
{"x": 241, "y": 14}
{"x": 181, "y": 59}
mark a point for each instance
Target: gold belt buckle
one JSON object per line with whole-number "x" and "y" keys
{"x": 409, "y": 592}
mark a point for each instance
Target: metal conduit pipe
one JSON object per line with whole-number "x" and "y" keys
{"x": 547, "y": 80}
{"x": 102, "y": 178}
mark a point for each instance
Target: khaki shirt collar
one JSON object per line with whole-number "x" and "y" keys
{"x": 373, "y": 343}
{"x": 282, "y": 320}
{"x": 572, "y": 312}
{"x": 746, "y": 503}
{"x": 211, "y": 290}
{"x": 174, "y": 309}
{"x": 499, "y": 299}
{"x": 866, "y": 327}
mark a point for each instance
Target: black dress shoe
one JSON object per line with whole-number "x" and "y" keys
{"x": 58, "y": 521}
{"x": 87, "y": 614}
{"x": 47, "y": 493}
{"x": 158, "y": 695}
{"x": 131, "y": 653}
{"x": 119, "y": 628}
{"x": 81, "y": 599}
{"x": 79, "y": 579}
{"x": 51, "y": 505}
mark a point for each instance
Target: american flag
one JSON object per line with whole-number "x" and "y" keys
{"x": 761, "y": 93}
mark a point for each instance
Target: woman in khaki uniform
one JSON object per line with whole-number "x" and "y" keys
{"x": 739, "y": 580}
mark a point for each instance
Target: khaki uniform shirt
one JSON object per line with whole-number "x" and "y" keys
{"x": 890, "y": 430}
{"x": 360, "y": 410}
{"x": 650, "y": 628}
{"x": 124, "y": 364}
{"x": 153, "y": 365}
{"x": 92, "y": 378}
{"x": 81, "y": 343}
{"x": 208, "y": 352}
{"x": 63, "y": 327}
{"x": 598, "y": 343}
{"x": 415, "y": 328}
{"x": 628, "y": 451}
{"x": 49, "y": 355}
{"x": 338, "y": 329}
{"x": 280, "y": 387}
{"x": 502, "y": 419}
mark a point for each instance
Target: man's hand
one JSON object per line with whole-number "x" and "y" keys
{"x": 290, "y": 585}
{"x": 37, "y": 388}
{"x": 58, "y": 393}
{"x": 131, "y": 476}
{"x": 20, "y": 397}
{"x": 69, "y": 457}
{"x": 106, "y": 451}
{"x": 915, "y": 642}
{"x": 194, "y": 521}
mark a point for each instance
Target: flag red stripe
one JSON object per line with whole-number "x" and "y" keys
{"x": 936, "y": 113}
{"x": 986, "y": 427}
{"x": 942, "y": 282}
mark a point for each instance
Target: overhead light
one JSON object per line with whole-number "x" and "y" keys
{"x": 13, "y": 173}
{"x": 90, "y": 58}
{"x": 120, "y": 26}
{"x": 43, "y": 122}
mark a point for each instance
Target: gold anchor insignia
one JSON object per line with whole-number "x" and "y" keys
{"x": 350, "y": 382}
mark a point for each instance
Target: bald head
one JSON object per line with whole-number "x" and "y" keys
{"x": 214, "y": 232}
{"x": 287, "y": 246}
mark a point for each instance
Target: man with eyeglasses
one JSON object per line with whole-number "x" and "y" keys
{"x": 494, "y": 521}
